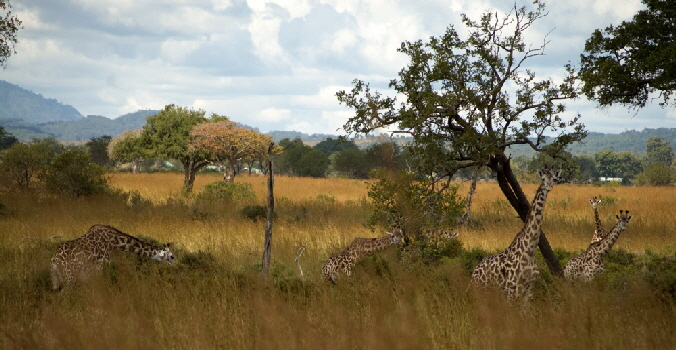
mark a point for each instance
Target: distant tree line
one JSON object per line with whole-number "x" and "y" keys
{"x": 45, "y": 164}
{"x": 79, "y": 170}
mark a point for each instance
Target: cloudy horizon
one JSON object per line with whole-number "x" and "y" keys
{"x": 271, "y": 65}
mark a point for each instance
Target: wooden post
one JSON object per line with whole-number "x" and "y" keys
{"x": 267, "y": 246}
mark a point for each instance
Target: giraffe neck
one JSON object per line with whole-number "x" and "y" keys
{"x": 599, "y": 233}
{"x": 369, "y": 246}
{"x": 603, "y": 246}
{"x": 116, "y": 239}
{"x": 528, "y": 237}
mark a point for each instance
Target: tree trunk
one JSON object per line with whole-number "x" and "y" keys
{"x": 188, "y": 178}
{"x": 267, "y": 245}
{"x": 512, "y": 190}
{"x": 190, "y": 169}
{"x": 229, "y": 173}
{"x": 464, "y": 219}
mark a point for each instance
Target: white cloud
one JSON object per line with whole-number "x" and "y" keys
{"x": 176, "y": 51}
{"x": 273, "y": 115}
{"x": 275, "y": 65}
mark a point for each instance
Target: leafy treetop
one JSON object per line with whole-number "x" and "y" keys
{"x": 467, "y": 101}
{"x": 626, "y": 63}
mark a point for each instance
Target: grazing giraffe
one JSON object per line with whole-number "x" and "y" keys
{"x": 599, "y": 232}
{"x": 359, "y": 248}
{"x": 589, "y": 264}
{"x": 78, "y": 257}
{"x": 514, "y": 270}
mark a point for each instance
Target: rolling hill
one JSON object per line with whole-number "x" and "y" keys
{"x": 27, "y": 115}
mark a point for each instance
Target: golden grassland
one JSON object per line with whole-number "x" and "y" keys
{"x": 217, "y": 300}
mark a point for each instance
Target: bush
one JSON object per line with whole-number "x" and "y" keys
{"x": 416, "y": 205}
{"x": 430, "y": 250}
{"x": 660, "y": 272}
{"x": 254, "y": 212}
{"x": 227, "y": 191}
{"x": 73, "y": 173}
{"x": 656, "y": 174}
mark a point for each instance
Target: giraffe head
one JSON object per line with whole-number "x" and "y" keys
{"x": 623, "y": 219}
{"x": 395, "y": 236}
{"x": 164, "y": 255}
{"x": 595, "y": 202}
{"x": 448, "y": 235}
{"x": 549, "y": 177}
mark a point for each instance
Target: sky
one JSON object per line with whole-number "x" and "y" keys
{"x": 274, "y": 65}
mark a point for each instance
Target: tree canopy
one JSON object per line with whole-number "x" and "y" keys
{"x": 9, "y": 26}
{"x": 98, "y": 150}
{"x": 126, "y": 147}
{"x": 228, "y": 142}
{"x": 626, "y": 63}
{"x": 466, "y": 101}
{"x": 6, "y": 139}
{"x": 167, "y": 135}
{"x": 658, "y": 150}
{"x": 299, "y": 159}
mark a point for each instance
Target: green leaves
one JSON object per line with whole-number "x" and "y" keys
{"x": 167, "y": 135}
{"x": 626, "y": 63}
{"x": 470, "y": 98}
{"x": 9, "y": 26}
{"x": 73, "y": 173}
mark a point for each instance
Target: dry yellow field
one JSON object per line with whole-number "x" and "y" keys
{"x": 216, "y": 300}
{"x": 569, "y": 221}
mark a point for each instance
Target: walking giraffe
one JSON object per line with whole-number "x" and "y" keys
{"x": 589, "y": 264}
{"x": 78, "y": 257}
{"x": 514, "y": 270}
{"x": 359, "y": 248}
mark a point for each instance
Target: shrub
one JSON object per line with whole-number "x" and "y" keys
{"x": 227, "y": 191}
{"x": 660, "y": 272}
{"x": 73, "y": 173}
{"x": 656, "y": 174}
{"x": 254, "y": 212}
{"x": 200, "y": 261}
{"x": 416, "y": 205}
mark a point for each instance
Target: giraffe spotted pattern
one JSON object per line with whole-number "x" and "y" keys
{"x": 599, "y": 232}
{"x": 589, "y": 264}
{"x": 514, "y": 270}
{"x": 77, "y": 258}
{"x": 344, "y": 261}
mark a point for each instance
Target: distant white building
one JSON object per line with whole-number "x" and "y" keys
{"x": 610, "y": 179}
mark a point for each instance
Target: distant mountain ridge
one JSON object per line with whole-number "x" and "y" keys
{"x": 18, "y": 102}
{"x": 27, "y": 115}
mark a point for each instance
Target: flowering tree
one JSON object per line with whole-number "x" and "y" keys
{"x": 229, "y": 143}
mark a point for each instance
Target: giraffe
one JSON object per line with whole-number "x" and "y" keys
{"x": 448, "y": 235}
{"x": 599, "y": 232}
{"x": 514, "y": 270}
{"x": 589, "y": 264}
{"x": 78, "y": 257}
{"x": 359, "y": 248}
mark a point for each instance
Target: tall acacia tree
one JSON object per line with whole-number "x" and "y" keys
{"x": 229, "y": 143}
{"x": 167, "y": 135}
{"x": 625, "y": 64}
{"x": 465, "y": 102}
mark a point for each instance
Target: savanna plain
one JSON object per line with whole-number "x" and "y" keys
{"x": 214, "y": 297}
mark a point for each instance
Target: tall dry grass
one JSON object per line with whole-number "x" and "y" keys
{"x": 218, "y": 300}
